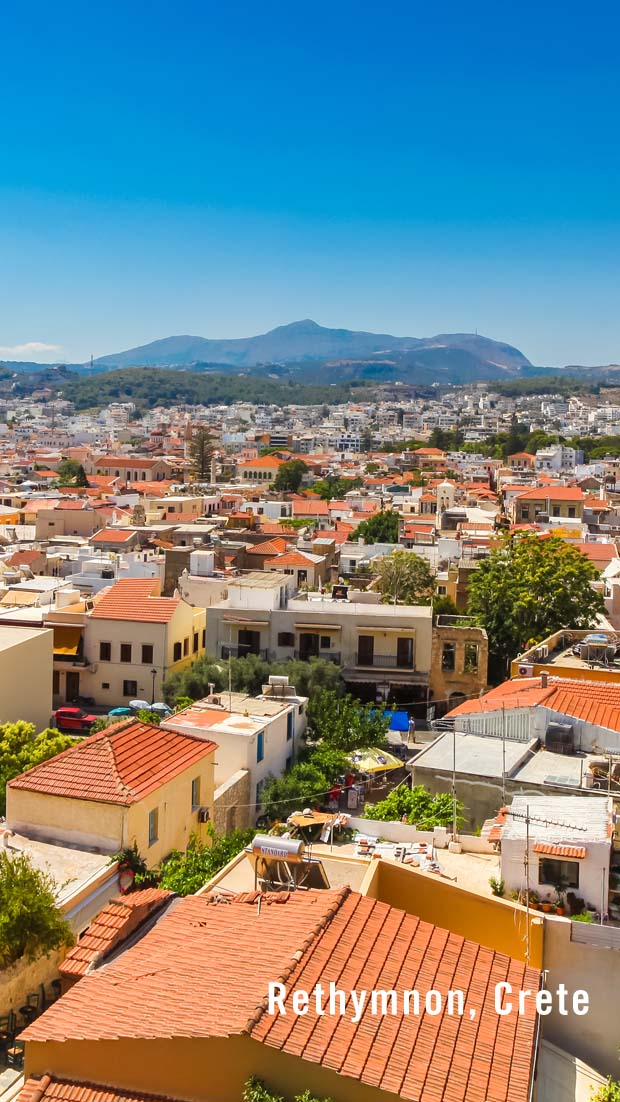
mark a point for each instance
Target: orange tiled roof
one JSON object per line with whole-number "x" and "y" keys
{"x": 596, "y": 702}
{"x": 262, "y": 461}
{"x": 269, "y": 547}
{"x": 113, "y": 535}
{"x": 553, "y": 493}
{"x": 119, "y": 765}
{"x": 48, "y": 1089}
{"x": 202, "y": 952}
{"x": 135, "y": 599}
{"x": 560, "y": 851}
{"x": 304, "y": 507}
{"x": 113, "y": 925}
{"x": 290, "y": 558}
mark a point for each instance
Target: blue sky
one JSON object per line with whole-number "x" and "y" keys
{"x": 214, "y": 169}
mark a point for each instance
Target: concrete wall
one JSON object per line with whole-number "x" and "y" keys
{"x": 593, "y": 1037}
{"x": 593, "y": 871}
{"x": 26, "y": 663}
{"x": 194, "y": 1068}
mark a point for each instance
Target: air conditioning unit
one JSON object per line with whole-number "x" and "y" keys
{"x": 525, "y": 670}
{"x": 203, "y": 815}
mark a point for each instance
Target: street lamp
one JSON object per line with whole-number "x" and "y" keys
{"x": 153, "y": 675}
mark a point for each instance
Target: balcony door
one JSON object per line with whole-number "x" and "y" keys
{"x": 365, "y": 650}
{"x": 249, "y": 642}
{"x": 308, "y": 645}
{"x": 404, "y": 653}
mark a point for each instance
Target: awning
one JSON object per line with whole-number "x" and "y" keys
{"x": 245, "y": 623}
{"x": 67, "y": 640}
{"x": 320, "y": 629}
{"x": 373, "y": 629}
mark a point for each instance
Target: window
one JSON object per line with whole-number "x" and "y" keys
{"x": 55, "y": 682}
{"x": 525, "y": 512}
{"x": 442, "y": 590}
{"x": 125, "y": 652}
{"x": 204, "y": 637}
{"x": 185, "y": 647}
{"x": 105, "y": 684}
{"x": 289, "y": 726}
{"x": 130, "y": 688}
{"x": 153, "y": 825}
{"x": 555, "y": 510}
{"x": 571, "y": 511}
{"x": 448, "y": 656}
{"x": 195, "y": 793}
{"x": 147, "y": 654}
{"x": 105, "y": 652}
{"x": 286, "y": 639}
{"x": 471, "y": 658}
{"x": 555, "y": 873}
{"x": 260, "y": 746}
{"x": 325, "y": 642}
{"x": 195, "y": 643}
{"x": 176, "y": 652}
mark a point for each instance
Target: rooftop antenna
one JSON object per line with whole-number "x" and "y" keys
{"x": 526, "y": 818}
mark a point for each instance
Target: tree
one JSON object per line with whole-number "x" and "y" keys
{"x": 404, "y": 578}
{"x": 381, "y": 527}
{"x": 331, "y": 486}
{"x": 201, "y": 452}
{"x": 416, "y": 806}
{"x": 70, "y": 471}
{"x": 185, "y": 873}
{"x": 303, "y": 785}
{"x": 444, "y": 606}
{"x": 529, "y": 588}
{"x": 343, "y": 723}
{"x": 21, "y": 748}
{"x": 290, "y": 476}
{"x": 609, "y": 1092}
{"x": 30, "y": 923}
{"x": 248, "y": 675}
{"x": 366, "y": 439}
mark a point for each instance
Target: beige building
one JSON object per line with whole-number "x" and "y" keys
{"x": 385, "y": 651}
{"x": 123, "y": 644}
{"x": 26, "y": 675}
{"x": 72, "y": 517}
{"x": 130, "y": 783}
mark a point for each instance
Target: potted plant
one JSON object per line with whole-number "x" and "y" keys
{"x": 560, "y": 907}
{"x": 497, "y": 885}
{"x": 546, "y": 906}
{"x": 534, "y": 901}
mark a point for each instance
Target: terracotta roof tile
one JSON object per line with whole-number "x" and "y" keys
{"x": 202, "y": 952}
{"x": 135, "y": 599}
{"x": 559, "y": 851}
{"x": 113, "y": 925}
{"x": 48, "y": 1089}
{"x": 596, "y": 702}
{"x": 119, "y": 765}
{"x": 113, "y": 535}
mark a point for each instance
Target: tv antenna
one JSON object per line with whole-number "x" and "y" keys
{"x": 527, "y": 818}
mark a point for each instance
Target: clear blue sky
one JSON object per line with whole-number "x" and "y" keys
{"x": 219, "y": 169}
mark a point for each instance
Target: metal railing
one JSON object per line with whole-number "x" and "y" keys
{"x": 240, "y": 650}
{"x": 384, "y": 661}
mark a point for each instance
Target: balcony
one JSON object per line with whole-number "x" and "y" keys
{"x": 384, "y": 662}
{"x": 328, "y": 655}
{"x": 240, "y": 650}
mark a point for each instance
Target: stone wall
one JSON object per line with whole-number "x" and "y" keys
{"x": 24, "y": 977}
{"x": 231, "y": 803}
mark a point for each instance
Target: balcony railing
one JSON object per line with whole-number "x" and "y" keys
{"x": 329, "y": 655}
{"x": 240, "y": 650}
{"x": 384, "y": 662}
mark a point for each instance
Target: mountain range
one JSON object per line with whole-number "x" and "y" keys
{"x": 339, "y": 354}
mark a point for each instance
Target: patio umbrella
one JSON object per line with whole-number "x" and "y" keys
{"x": 120, "y": 712}
{"x": 161, "y": 709}
{"x": 374, "y": 761}
{"x": 138, "y": 705}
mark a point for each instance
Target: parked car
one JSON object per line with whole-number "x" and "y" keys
{"x": 69, "y": 718}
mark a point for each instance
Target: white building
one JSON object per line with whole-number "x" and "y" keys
{"x": 570, "y": 844}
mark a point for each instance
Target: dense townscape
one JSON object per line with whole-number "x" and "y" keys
{"x": 301, "y": 701}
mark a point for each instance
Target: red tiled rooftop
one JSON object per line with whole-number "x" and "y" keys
{"x": 119, "y": 765}
{"x": 549, "y": 850}
{"x": 135, "y": 599}
{"x": 203, "y": 952}
{"x": 596, "y": 702}
{"x": 44, "y": 1088}
{"x": 113, "y": 925}
{"x": 113, "y": 535}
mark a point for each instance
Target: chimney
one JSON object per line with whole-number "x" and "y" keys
{"x": 543, "y": 680}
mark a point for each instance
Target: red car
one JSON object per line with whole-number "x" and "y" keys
{"x": 70, "y": 718}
